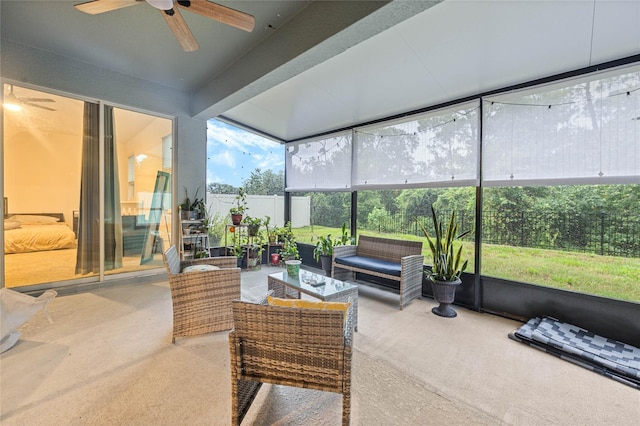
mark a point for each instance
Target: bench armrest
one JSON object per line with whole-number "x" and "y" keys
{"x": 339, "y": 251}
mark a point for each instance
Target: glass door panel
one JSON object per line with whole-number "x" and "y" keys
{"x": 138, "y": 182}
{"x": 43, "y": 136}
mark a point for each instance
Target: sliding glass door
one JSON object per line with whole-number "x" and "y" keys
{"x": 80, "y": 204}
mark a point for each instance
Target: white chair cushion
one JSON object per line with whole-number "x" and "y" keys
{"x": 200, "y": 268}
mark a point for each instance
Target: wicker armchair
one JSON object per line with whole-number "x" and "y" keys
{"x": 306, "y": 348}
{"x": 202, "y": 300}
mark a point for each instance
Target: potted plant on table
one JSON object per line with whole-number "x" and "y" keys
{"x": 447, "y": 263}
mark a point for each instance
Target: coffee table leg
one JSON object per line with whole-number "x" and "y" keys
{"x": 282, "y": 291}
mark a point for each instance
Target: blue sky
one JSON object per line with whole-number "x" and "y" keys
{"x": 232, "y": 154}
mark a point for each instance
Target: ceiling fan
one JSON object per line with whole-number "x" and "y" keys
{"x": 174, "y": 19}
{"x": 14, "y": 103}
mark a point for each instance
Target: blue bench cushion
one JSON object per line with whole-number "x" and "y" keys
{"x": 376, "y": 265}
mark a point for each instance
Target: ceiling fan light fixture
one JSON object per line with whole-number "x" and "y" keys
{"x": 11, "y": 102}
{"x": 161, "y": 4}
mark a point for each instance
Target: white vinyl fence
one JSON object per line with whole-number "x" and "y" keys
{"x": 264, "y": 205}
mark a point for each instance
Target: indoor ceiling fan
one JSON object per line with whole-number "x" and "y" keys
{"x": 174, "y": 19}
{"x": 14, "y": 103}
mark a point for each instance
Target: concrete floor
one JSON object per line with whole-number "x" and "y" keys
{"x": 107, "y": 359}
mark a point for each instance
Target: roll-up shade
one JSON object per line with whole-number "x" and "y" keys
{"x": 321, "y": 164}
{"x": 580, "y": 131}
{"x": 438, "y": 148}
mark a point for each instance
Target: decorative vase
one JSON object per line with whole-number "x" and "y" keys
{"x": 325, "y": 261}
{"x": 275, "y": 259}
{"x": 236, "y": 219}
{"x": 293, "y": 267}
{"x": 444, "y": 292}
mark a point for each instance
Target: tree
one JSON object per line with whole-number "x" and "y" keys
{"x": 265, "y": 183}
{"x": 221, "y": 188}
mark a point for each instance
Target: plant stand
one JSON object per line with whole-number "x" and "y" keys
{"x": 444, "y": 292}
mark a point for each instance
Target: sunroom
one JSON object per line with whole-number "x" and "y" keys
{"x": 521, "y": 116}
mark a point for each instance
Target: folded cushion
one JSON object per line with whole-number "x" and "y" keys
{"x": 310, "y": 304}
{"x": 376, "y": 265}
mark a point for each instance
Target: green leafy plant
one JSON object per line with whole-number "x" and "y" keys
{"x": 446, "y": 259}
{"x": 192, "y": 204}
{"x": 241, "y": 202}
{"x": 289, "y": 250}
{"x": 324, "y": 247}
{"x": 285, "y": 233}
{"x": 215, "y": 226}
{"x": 254, "y": 223}
{"x": 345, "y": 239}
{"x": 272, "y": 233}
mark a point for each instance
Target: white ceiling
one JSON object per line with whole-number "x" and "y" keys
{"x": 453, "y": 50}
{"x": 326, "y": 65}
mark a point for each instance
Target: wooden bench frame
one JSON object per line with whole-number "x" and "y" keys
{"x": 407, "y": 253}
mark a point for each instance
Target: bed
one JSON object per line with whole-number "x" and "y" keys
{"x": 25, "y": 233}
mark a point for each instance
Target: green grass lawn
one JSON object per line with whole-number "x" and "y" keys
{"x": 607, "y": 276}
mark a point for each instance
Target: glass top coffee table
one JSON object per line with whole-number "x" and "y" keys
{"x": 315, "y": 285}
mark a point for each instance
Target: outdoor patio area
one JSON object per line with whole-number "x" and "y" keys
{"x": 107, "y": 359}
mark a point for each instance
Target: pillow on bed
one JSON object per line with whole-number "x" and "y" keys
{"x": 11, "y": 224}
{"x": 34, "y": 219}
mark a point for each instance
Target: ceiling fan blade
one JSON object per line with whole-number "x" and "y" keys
{"x": 220, "y": 13}
{"x": 100, "y": 6}
{"x": 37, "y": 100}
{"x": 37, "y": 106}
{"x": 181, "y": 30}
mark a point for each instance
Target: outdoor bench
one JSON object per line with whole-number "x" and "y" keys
{"x": 397, "y": 260}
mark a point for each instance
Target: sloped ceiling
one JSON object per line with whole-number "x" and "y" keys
{"x": 453, "y": 50}
{"x": 312, "y": 67}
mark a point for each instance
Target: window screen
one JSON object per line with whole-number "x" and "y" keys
{"x": 320, "y": 164}
{"x": 438, "y": 148}
{"x": 582, "y": 131}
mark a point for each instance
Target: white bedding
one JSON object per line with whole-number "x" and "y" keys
{"x": 29, "y": 238}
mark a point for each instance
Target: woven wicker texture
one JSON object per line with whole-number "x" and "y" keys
{"x": 306, "y": 348}
{"x": 202, "y": 300}
{"x": 387, "y": 249}
{"x": 407, "y": 253}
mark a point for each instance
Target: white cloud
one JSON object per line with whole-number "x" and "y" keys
{"x": 223, "y": 158}
{"x": 235, "y": 138}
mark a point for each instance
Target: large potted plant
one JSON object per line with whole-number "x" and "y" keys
{"x": 447, "y": 263}
{"x": 323, "y": 251}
